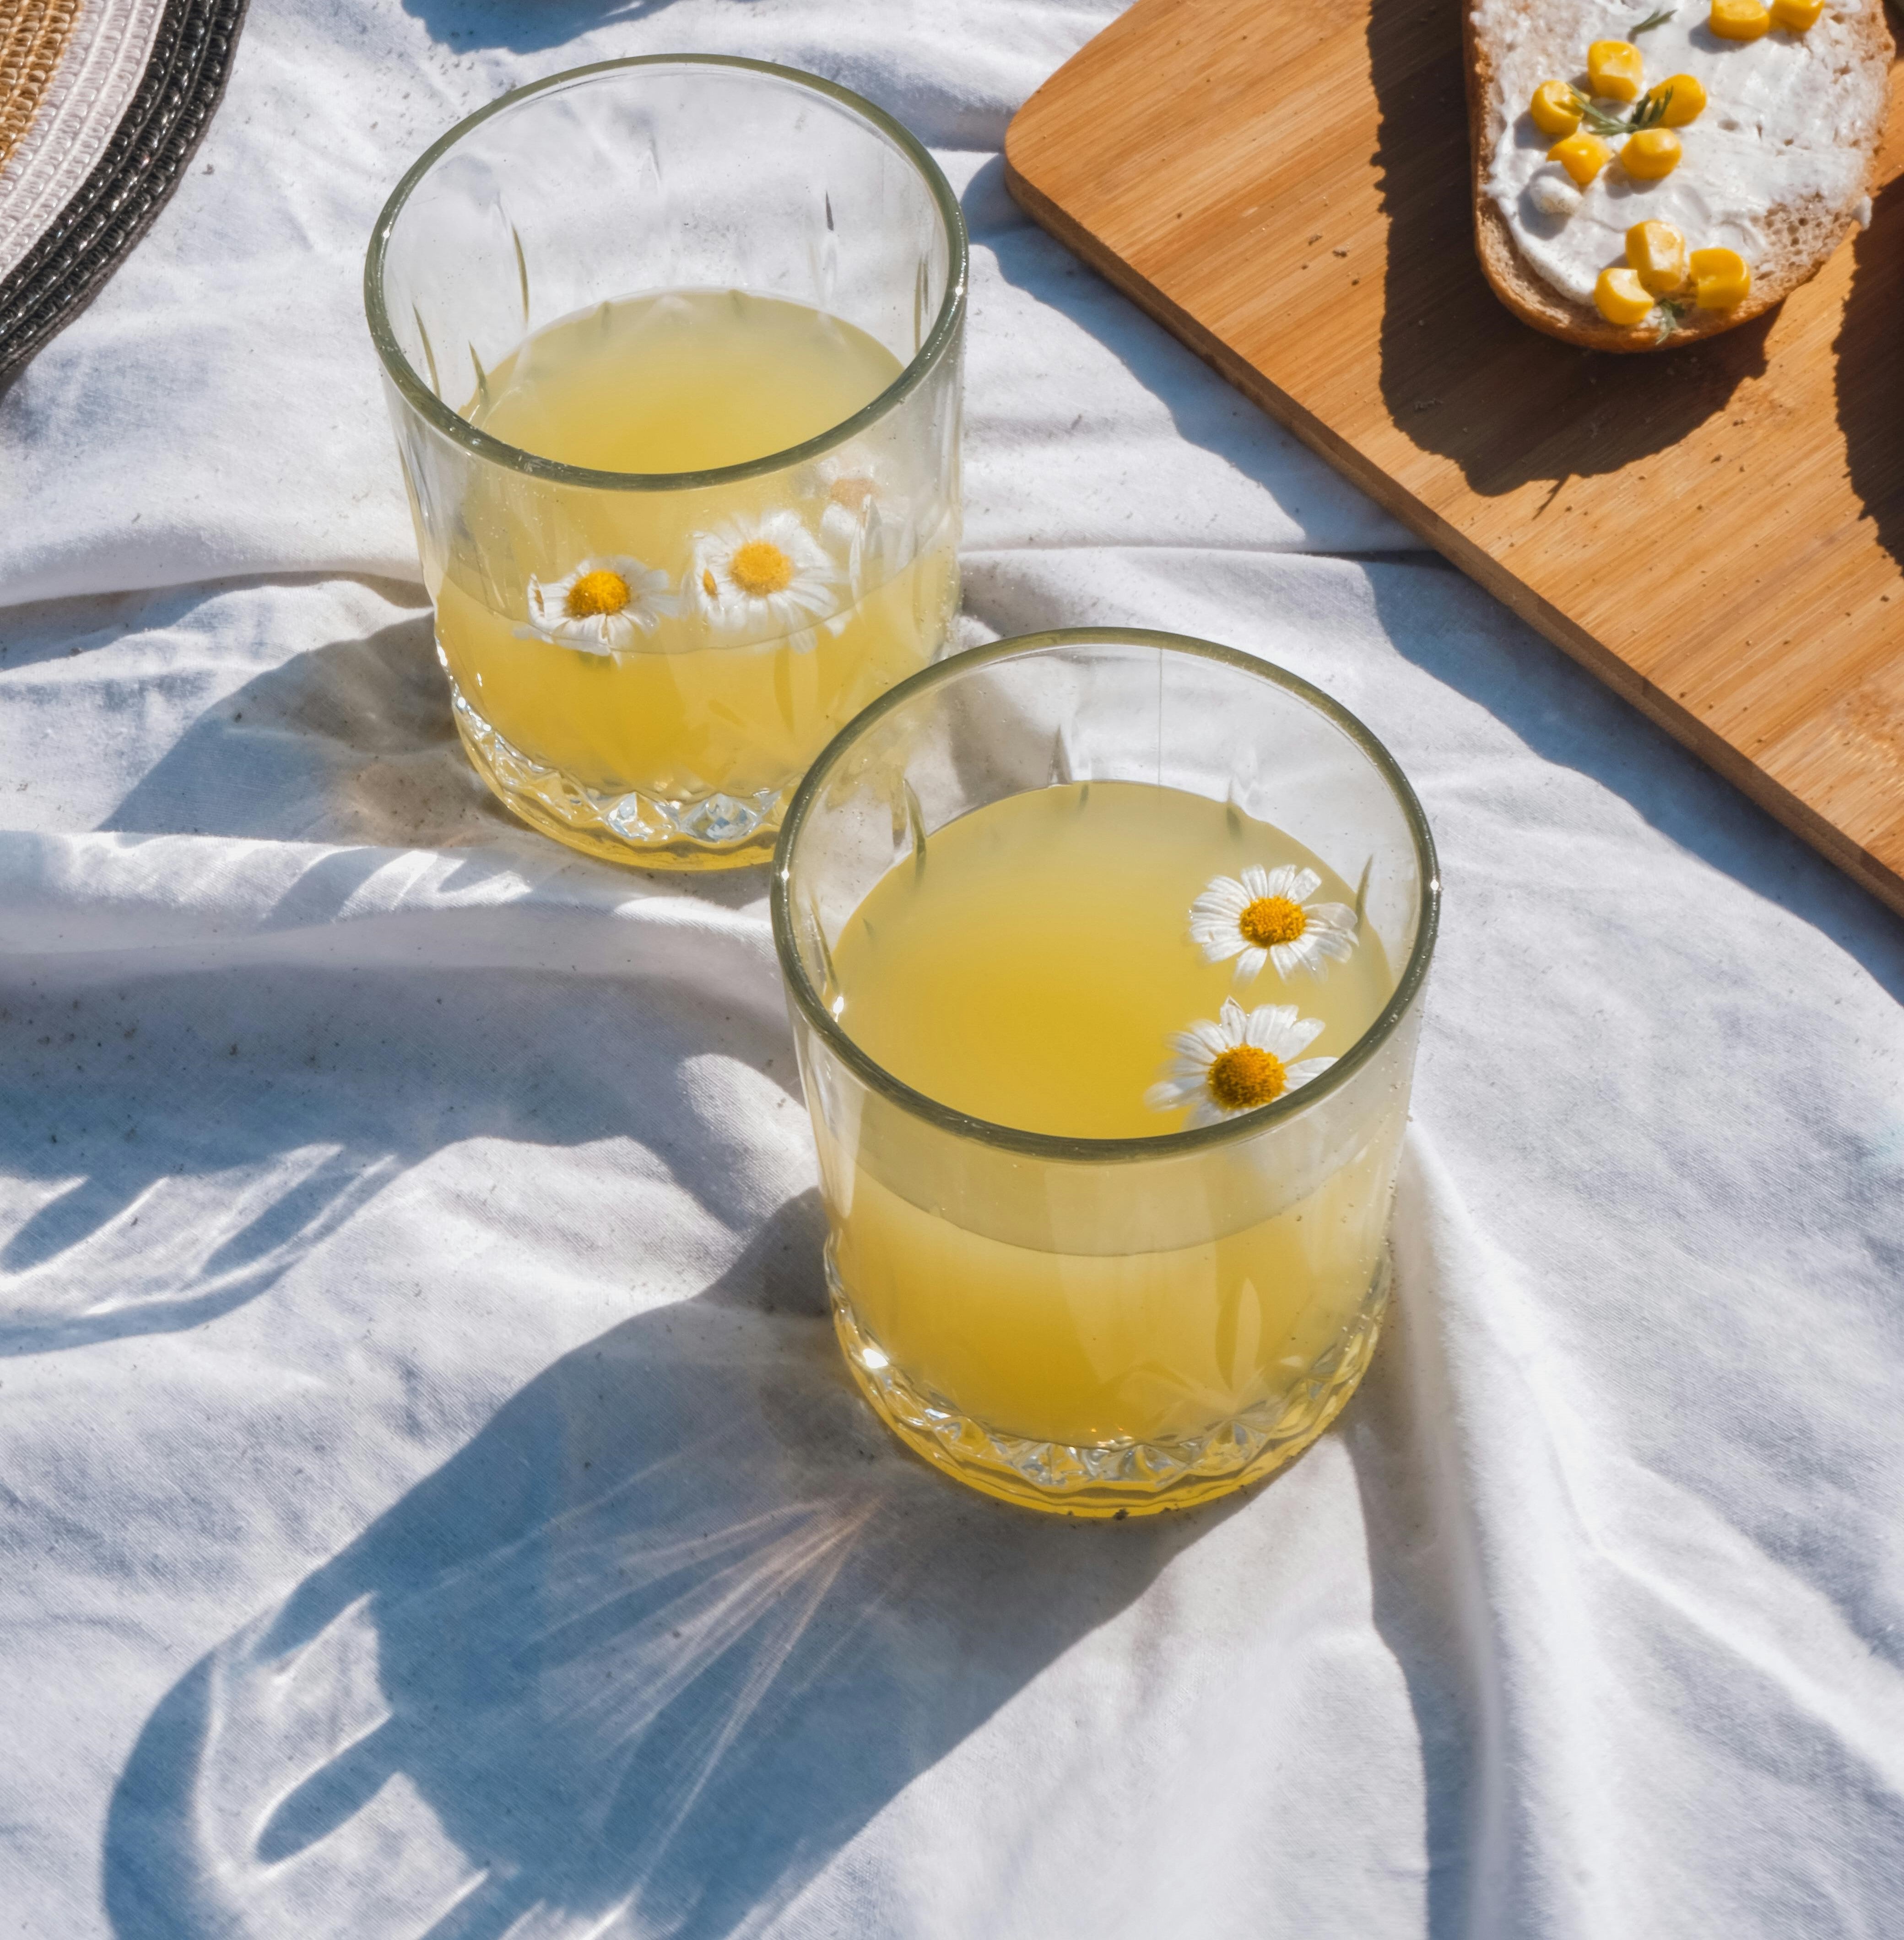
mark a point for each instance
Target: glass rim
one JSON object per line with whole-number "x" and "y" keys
{"x": 497, "y": 451}
{"x": 1150, "y": 1145}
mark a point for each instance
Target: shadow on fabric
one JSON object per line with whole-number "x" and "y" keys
{"x": 647, "y": 1653}
{"x": 1205, "y": 410}
{"x": 196, "y": 1128}
{"x": 196, "y": 1134}
{"x": 524, "y": 29}
{"x": 352, "y": 743}
{"x": 1428, "y": 1588}
{"x": 348, "y": 742}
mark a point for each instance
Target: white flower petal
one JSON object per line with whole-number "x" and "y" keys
{"x": 1267, "y": 1027}
{"x": 1291, "y": 883}
{"x": 864, "y": 527}
{"x": 1205, "y": 1111}
{"x": 1214, "y": 917}
{"x": 1201, "y": 1043}
{"x": 1224, "y": 894}
{"x": 1233, "y": 1022}
{"x": 648, "y": 600}
{"x": 893, "y": 540}
{"x": 1333, "y": 927}
{"x": 811, "y": 593}
{"x": 1255, "y": 886}
{"x": 1310, "y": 1067}
{"x": 842, "y": 527}
{"x": 1169, "y": 1094}
{"x": 1249, "y": 965}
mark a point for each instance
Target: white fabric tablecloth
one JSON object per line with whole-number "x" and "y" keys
{"x": 431, "y": 1504}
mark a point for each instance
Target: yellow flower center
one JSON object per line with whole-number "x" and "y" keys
{"x": 1244, "y": 1076}
{"x": 853, "y": 493}
{"x": 759, "y": 567}
{"x": 1270, "y": 920}
{"x": 599, "y": 592}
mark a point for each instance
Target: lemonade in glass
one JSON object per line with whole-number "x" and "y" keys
{"x": 672, "y": 351}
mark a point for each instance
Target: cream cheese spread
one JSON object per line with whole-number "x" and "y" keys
{"x": 1787, "y": 118}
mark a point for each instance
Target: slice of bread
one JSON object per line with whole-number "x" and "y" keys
{"x": 1800, "y": 232}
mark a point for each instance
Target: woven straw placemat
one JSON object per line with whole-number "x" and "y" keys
{"x": 102, "y": 104}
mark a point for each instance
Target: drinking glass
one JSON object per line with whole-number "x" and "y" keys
{"x": 1105, "y": 1326}
{"x": 673, "y": 737}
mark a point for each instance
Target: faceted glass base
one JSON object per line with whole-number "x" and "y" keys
{"x": 1118, "y": 1478}
{"x": 716, "y": 831}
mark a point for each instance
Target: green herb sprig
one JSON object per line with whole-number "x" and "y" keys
{"x": 1652, "y": 21}
{"x": 1672, "y": 314}
{"x": 1648, "y": 112}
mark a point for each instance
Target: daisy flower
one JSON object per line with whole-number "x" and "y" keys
{"x": 748, "y": 573}
{"x": 867, "y": 530}
{"x": 849, "y": 501}
{"x": 599, "y": 606}
{"x": 1246, "y": 1059}
{"x": 866, "y": 524}
{"x": 1265, "y": 919}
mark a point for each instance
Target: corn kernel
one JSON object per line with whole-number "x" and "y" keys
{"x": 1583, "y": 156}
{"x": 1721, "y": 279}
{"x": 1739, "y": 20}
{"x": 1685, "y": 100}
{"x": 1656, "y": 251}
{"x": 1650, "y": 154}
{"x": 1613, "y": 70}
{"x": 1797, "y": 15}
{"x": 1620, "y": 297}
{"x": 1553, "y": 109}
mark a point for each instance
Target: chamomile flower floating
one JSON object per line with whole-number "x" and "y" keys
{"x": 747, "y": 572}
{"x": 849, "y": 500}
{"x": 867, "y": 528}
{"x": 600, "y": 606}
{"x": 1246, "y": 1059}
{"x": 1265, "y": 919}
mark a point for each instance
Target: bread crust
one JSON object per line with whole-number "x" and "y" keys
{"x": 1536, "y": 301}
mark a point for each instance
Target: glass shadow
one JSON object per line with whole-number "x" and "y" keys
{"x": 652, "y": 1647}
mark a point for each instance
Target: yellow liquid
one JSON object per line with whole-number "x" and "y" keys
{"x": 1032, "y": 973}
{"x": 683, "y": 382}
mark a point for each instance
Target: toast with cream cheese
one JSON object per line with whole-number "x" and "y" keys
{"x": 1777, "y": 165}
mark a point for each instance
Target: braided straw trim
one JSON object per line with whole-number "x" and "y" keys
{"x": 75, "y": 112}
{"x": 31, "y": 40}
{"x": 128, "y": 103}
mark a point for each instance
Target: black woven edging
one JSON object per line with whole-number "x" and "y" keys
{"x": 132, "y": 181}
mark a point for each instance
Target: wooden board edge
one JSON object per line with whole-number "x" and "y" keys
{"x": 1856, "y": 861}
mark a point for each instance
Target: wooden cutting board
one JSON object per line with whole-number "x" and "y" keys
{"x": 1716, "y": 531}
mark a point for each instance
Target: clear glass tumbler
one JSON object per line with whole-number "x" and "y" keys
{"x": 1105, "y": 1326}
{"x": 642, "y": 664}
